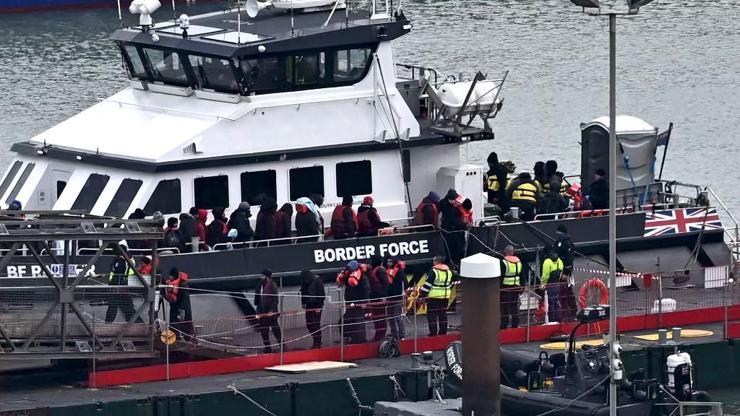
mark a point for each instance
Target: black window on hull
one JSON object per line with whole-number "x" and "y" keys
{"x": 165, "y": 198}
{"x": 90, "y": 192}
{"x": 258, "y": 183}
{"x": 123, "y": 197}
{"x": 306, "y": 182}
{"x": 212, "y": 192}
{"x": 354, "y": 178}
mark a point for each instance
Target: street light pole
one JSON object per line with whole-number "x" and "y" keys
{"x": 612, "y": 211}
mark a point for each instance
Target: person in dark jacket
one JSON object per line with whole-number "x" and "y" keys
{"x": 368, "y": 220}
{"x": 427, "y": 212}
{"x": 239, "y": 221}
{"x": 171, "y": 238}
{"x": 217, "y": 229}
{"x": 496, "y": 181}
{"x": 378, "y": 291}
{"x": 598, "y": 191}
{"x": 266, "y": 302}
{"x": 344, "y": 220}
{"x": 186, "y": 232}
{"x": 318, "y": 200}
{"x": 552, "y": 201}
{"x": 396, "y": 271}
{"x": 312, "y": 299}
{"x": 283, "y": 222}
{"x": 453, "y": 225}
{"x": 354, "y": 278}
{"x": 120, "y": 271}
{"x": 138, "y": 214}
{"x": 566, "y": 251}
{"x": 178, "y": 296}
{"x": 539, "y": 175}
{"x": 305, "y": 222}
{"x": 264, "y": 227}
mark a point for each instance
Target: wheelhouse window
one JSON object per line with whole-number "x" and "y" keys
{"x": 123, "y": 197}
{"x": 306, "y": 181}
{"x": 90, "y": 192}
{"x": 212, "y": 192}
{"x": 306, "y": 69}
{"x": 258, "y": 183}
{"x": 214, "y": 74}
{"x": 133, "y": 62}
{"x": 165, "y": 198}
{"x": 19, "y": 184}
{"x": 166, "y": 66}
{"x": 10, "y": 176}
{"x": 350, "y": 65}
{"x": 354, "y": 178}
{"x": 261, "y": 75}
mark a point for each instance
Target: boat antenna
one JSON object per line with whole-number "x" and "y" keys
{"x": 238, "y": 23}
{"x": 346, "y": 13}
{"x": 292, "y": 27}
{"x": 174, "y": 12}
{"x": 336, "y": 3}
{"x": 120, "y": 17}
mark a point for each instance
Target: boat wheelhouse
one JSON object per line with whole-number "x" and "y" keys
{"x": 222, "y": 108}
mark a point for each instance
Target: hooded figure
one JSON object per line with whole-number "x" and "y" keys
{"x": 344, "y": 219}
{"x": 186, "y": 232}
{"x": 266, "y": 302}
{"x": 239, "y": 221}
{"x": 217, "y": 229}
{"x": 552, "y": 201}
{"x": 264, "y": 228}
{"x": 312, "y": 299}
{"x": 453, "y": 224}
{"x": 598, "y": 191}
{"x": 368, "y": 220}
{"x": 305, "y": 220}
{"x": 427, "y": 212}
{"x": 283, "y": 221}
{"x": 200, "y": 228}
{"x": 539, "y": 175}
{"x": 496, "y": 181}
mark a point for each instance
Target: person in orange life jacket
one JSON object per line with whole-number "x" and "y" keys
{"x": 396, "y": 272}
{"x": 283, "y": 221}
{"x": 266, "y": 302}
{"x": 312, "y": 299}
{"x": 378, "y": 291}
{"x": 510, "y": 288}
{"x": 217, "y": 230}
{"x": 146, "y": 267}
{"x": 305, "y": 222}
{"x": 427, "y": 212}
{"x": 467, "y": 212}
{"x": 453, "y": 224}
{"x": 354, "y": 279}
{"x": 436, "y": 292}
{"x": 368, "y": 220}
{"x": 524, "y": 194}
{"x": 178, "y": 296}
{"x": 344, "y": 219}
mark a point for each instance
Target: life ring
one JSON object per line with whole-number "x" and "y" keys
{"x": 593, "y": 283}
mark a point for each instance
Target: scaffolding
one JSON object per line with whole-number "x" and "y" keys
{"x": 59, "y": 314}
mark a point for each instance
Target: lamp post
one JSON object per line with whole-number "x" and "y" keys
{"x": 612, "y": 8}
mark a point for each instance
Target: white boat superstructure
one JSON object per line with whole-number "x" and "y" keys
{"x": 288, "y": 105}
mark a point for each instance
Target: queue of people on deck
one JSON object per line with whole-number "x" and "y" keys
{"x": 547, "y": 192}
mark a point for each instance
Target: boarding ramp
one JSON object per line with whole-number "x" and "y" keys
{"x": 54, "y": 305}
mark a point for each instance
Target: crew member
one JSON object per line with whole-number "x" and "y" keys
{"x": 453, "y": 224}
{"x": 427, "y": 212}
{"x": 552, "y": 269}
{"x": 396, "y": 271}
{"x": 120, "y": 271}
{"x": 510, "y": 289}
{"x": 266, "y": 302}
{"x": 437, "y": 291}
{"x": 312, "y": 299}
{"x": 378, "y": 291}
{"x": 524, "y": 195}
{"x": 178, "y": 296}
{"x": 496, "y": 181}
{"x": 566, "y": 252}
{"x": 368, "y": 220}
{"x": 344, "y": 219}
{"x": 354, "y": 279}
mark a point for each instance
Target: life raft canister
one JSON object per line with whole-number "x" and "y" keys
{"x": 595, "y": 284}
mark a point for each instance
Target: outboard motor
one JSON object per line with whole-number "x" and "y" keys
{"x": 680, "y": 375}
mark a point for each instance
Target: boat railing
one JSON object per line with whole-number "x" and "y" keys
{"x": 267, "y": 242}
{"x": 143, "y": 251}
{"x": 694, "y": 408}
{"x": 418, "y": 72}
{"x": 735, "y": 234}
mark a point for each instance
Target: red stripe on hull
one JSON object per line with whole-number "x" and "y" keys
{"x": 370, "y": 350}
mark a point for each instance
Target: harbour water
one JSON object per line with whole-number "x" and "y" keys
{"x": 677, "y": 60}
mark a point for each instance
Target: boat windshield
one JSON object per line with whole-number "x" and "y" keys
{"x": 214, "y": 74}
{"x": 166, "y": 66}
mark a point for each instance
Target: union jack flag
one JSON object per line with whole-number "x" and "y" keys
{"x": 680, "y": 221}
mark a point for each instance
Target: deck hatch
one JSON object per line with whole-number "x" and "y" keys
{"x": 193, "y": 30}
{"x": 237, "y": 38}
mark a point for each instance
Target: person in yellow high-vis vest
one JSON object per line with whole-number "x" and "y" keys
{"x": 552, "y": 269}
{"x": 510, "y": 289}
{"x": 120, "y": 271}
{"x": 436, "y": 292}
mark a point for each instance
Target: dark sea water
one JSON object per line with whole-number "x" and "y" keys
{"x": 678, "y": 61}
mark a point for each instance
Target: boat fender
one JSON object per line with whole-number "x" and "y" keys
{"x": 596, "y": 284}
